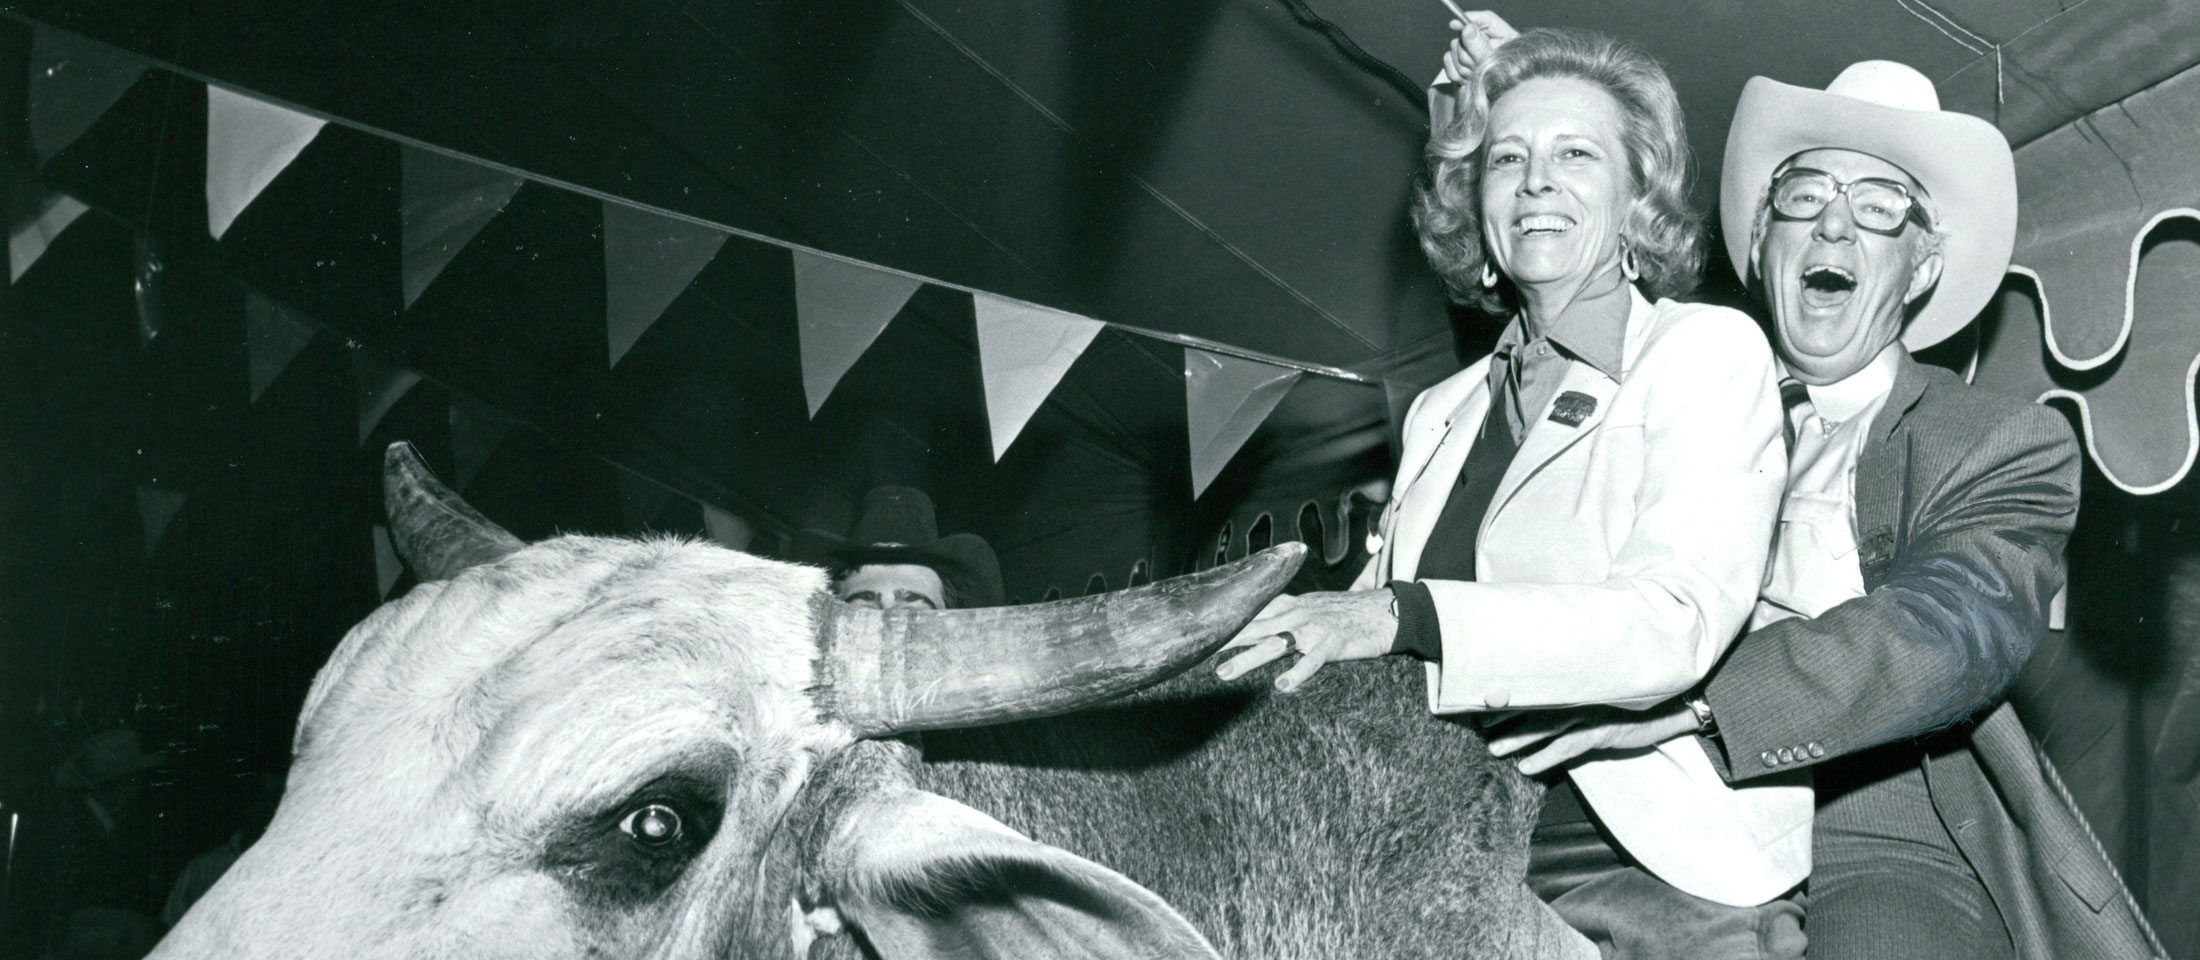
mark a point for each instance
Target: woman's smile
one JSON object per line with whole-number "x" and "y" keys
{"x": 1543, "y": 225}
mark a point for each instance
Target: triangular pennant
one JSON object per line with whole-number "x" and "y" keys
{"x": 648, "y": 259}
{"x": 1225, "y": 399}
{"x": 727, "y": 530}
{"x": 28, "y": 241}
{"x": 445, "y": 202}
{"x": 247, "y": 144}
{"x": 387, "y": 566}
{"x": 476, "y": 431}
{"x": 380, "y": 387}
{"x": 1023, "y": 351}
{"x": 840, "y": 308}
{"x": 157, "y": 508}
{"x": 272, "y": 338}
{"x": 73, "y": 82}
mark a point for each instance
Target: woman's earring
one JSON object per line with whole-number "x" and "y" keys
{"x": 1627, "y": 264}
{"x": 1489, "y": 274}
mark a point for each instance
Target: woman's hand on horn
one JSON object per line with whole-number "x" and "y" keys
{"x": 1480, "y": 34}
{"x": 1320, "y": 627}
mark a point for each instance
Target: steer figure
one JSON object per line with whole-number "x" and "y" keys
{"x": 659, "y": 748}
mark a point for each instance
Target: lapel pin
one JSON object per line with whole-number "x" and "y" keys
{"x": 1878, "y": 546}
{"x": 1572, "y": 407}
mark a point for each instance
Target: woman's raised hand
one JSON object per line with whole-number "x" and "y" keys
{"x": 1481, "y": 32}
{"x": 1320, "y": 628}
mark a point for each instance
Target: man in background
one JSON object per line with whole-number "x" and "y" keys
{"x": 894, "y": 558}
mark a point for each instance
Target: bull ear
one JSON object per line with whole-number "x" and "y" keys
{"x": 926, "y": 878}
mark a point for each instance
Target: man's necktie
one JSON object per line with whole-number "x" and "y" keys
{"x": 1795, "y": 409}
{"x": 1795, "y": 401}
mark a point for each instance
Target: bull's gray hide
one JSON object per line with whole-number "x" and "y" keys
{"x": 1339, "y": 821}
{"x": 604, "y": 747}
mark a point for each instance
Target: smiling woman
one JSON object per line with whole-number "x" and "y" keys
{"x": 1583, "y": 517}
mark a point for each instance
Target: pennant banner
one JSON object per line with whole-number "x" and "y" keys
{"x": 273, "y": 338}
{"x": 648, "y": 259}
{"x": 1023, "y": 351}
{"x": 387, "y": 566}
{"x": 157, "y": 508}
{"x": 247, "y": 144}
{"x": 840, "y": 309}
{"x": 29, "y": 241}
{"x": 445, "y": 202}
{"x": 380, "y": 387}
{"x": 1225, "y": 399}
{"x": 477, "y": 429}
{"x": 73, "y": 82}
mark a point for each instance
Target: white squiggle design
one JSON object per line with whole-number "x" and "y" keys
{"x": 2131, "y": 286}
{"x": 2085, "y": 410}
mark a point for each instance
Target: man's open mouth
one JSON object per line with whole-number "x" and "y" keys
{"x": 1827, "y": 286}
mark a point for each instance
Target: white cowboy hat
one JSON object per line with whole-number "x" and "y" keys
{"x": 1890, "y": 111}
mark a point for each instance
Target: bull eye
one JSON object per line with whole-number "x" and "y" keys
{"x": 652, "y": 825}
{"x": 629, "y": 851}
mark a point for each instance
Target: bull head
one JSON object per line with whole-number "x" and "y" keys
{"x": 611, "y": 747}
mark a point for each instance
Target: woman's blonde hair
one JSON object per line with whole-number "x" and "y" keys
{"x": 1664, "y": 233}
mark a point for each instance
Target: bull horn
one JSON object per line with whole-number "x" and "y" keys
{"x": 895, "y": 672}
{"x": 436, "y": 533}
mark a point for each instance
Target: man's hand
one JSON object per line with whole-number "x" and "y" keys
{"x": 1560, "y": 736}
{"x": 1321, "y": 627}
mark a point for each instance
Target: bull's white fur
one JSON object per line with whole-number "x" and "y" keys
{"x": 453, "y": 727}
{"x": 463, "y": 736}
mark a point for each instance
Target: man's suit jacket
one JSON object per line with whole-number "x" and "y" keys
{"x": 1963, "y": 501}
{"x": 1620, "y": 556}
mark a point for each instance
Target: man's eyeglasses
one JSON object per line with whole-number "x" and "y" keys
{"x": 1878, "y": 205}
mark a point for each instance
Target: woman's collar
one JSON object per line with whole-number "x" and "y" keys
{"x": 1593, "y": 327}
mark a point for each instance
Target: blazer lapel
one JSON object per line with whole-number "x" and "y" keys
{"x": 1567, "y": 422}
{"x": 1909, "y": 387}
{"x": 1431, "y": 481}
{"x": 1463, "y": 390}
{"x": 1881, "y": 466}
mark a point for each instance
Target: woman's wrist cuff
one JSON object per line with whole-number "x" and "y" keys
{"x": 1419, "y": 634}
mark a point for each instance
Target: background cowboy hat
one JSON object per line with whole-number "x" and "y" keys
{"x": 1890, "y": 111}
{"x": 897, "y": 525}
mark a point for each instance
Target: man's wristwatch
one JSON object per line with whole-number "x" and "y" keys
{"x": 1706, "y": 724}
